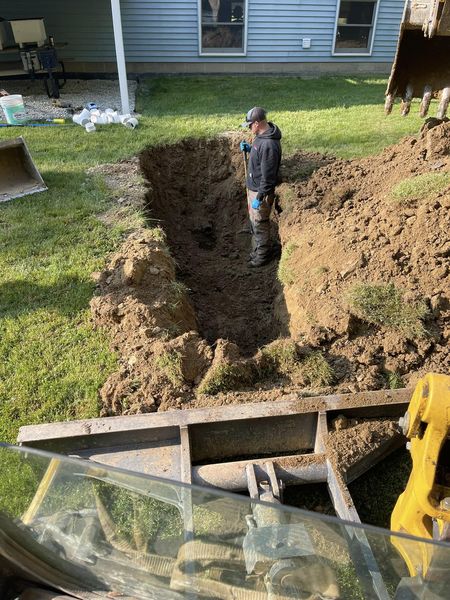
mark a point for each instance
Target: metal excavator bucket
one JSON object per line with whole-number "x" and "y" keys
{"x": 421, "y": 67}
{"x": 18, "y": 173}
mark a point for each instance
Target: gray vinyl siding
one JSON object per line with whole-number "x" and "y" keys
{"x": 279, "y": 30}
{"x": 387, "y": 29}
{"x": 167, "y": 30}
{"x": 160, "y": 31}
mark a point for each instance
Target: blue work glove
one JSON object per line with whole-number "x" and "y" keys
{"x": 245, "y": 147}
{"x": 256, "y": 203}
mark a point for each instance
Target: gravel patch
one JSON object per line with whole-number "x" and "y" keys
{"x": 78, "y": 93}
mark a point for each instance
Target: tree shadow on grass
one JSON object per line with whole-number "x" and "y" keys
{"x": 68, "y": 296}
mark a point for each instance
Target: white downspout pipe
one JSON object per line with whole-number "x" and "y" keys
{"x": 120, "y": 55}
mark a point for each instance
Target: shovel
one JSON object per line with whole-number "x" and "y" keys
{"x": 244, "y": 154}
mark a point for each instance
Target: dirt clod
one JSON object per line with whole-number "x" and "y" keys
{"x": 340, "y": 422}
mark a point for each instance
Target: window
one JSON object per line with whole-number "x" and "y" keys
{"x": 222, "y": 26}
{"x": 354, "y": 27}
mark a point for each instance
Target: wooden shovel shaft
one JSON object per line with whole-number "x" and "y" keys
{"x": 244, "y": 154}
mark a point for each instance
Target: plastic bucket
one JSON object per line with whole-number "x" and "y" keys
{"x": 14, "y": 109}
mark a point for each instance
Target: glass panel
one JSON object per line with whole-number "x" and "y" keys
{"x": 80, "y": 525}
{"x": 352, "y": 38}
{"x": 356, "y": 13}
{"x": 222, "y": 37}
{"x": 223, "y": 26}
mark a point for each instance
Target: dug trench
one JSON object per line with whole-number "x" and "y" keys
{"x": 194, "y": 326}
{"x": 196, "y": 196}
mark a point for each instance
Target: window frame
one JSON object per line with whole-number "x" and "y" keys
{"x": 201, "y": 52}
{"x": 373, "y": 27}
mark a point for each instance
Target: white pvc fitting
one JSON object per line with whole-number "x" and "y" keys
{"x": 95, "y": 112}
{"x": 124, "y": 118}
{"x": 90, "y": 127}
{"x": 85, "y": 113}
{"x": 99, "y": 119}
{"x": 131, "y": 123}
{"x": 82, "y": 118}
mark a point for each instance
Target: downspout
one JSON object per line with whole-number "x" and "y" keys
{"x": 120, "y": 55}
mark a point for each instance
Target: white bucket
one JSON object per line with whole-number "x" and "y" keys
{"x": 14, "y": 109}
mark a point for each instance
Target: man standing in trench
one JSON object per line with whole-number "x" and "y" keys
{"x": 262, "y": 175}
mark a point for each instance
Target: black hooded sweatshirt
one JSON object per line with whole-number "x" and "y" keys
{"x": 264, "y": 161}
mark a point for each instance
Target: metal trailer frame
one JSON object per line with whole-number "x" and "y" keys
{"x": 255, "y": 447}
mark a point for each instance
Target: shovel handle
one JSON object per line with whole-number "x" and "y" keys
{"x": 244, "y": 154}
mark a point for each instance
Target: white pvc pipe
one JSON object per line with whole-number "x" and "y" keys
{"x": 120, "y": 55}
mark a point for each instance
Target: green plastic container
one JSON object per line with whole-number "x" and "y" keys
{"x": 14, "y": 109}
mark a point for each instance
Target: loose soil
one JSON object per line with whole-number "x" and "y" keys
{"x": 347, "y": 446}
{"x": 186, "y": 314}
{"x": 346, "y": 228}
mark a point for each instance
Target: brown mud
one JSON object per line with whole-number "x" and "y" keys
{"x": 183, "y": 307}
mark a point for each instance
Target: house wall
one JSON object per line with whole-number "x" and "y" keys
{"x": 162, "y": 35}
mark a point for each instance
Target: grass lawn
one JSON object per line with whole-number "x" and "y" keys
{"x": 52, "y": 362}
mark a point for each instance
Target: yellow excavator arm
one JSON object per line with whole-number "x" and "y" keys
{"x": 421, "y": 67}
{"x": 423, "y": 509}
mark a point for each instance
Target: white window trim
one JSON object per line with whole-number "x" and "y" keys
{"x": 226, "y": 54}
{"x": 372, "y": 35}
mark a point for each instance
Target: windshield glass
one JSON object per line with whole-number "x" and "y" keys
{"x": 78, "y": 525}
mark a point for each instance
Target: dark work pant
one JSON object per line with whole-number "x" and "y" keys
{"x": 260, "y": 224}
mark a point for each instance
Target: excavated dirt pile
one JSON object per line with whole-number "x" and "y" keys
{"x": 194, "y": 326}
{"x": 346, "y": 229}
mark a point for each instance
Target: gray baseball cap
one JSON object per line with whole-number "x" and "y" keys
{"x": 254, "y": 114}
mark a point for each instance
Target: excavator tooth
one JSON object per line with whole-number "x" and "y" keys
{"x": 389, "y": 103}
{"x": 406, "y": 100}
{"x": 425, "y": 104}
{"x": 443, "y": 104}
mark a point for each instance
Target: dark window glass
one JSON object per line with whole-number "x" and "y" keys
{"x": 356, "y": 13}
{"x": 222, "y": 23}
{"x": 352, "y": 37}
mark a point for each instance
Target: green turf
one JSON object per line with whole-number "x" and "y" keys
{"x": 341, "y": 116}
{"x": 420, "y": 186}
{"x": 52, "y": 361}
